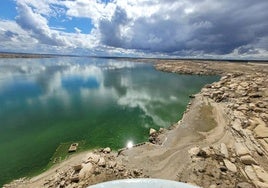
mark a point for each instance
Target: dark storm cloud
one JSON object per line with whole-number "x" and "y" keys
{"x": 216, "y": 27}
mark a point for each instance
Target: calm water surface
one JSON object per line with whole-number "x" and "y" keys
{"x": 46, "y": 102}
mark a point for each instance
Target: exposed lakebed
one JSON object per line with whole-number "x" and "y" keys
{"x": 96, "y": 102}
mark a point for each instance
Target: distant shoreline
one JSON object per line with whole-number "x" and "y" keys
{"x": 22, "y": 55}
{"x": 34, "y": 55}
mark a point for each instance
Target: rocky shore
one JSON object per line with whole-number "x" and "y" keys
{"x": 221, "y": 141}
{"x": 242, "y": 160}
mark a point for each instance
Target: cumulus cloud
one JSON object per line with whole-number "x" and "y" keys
{"x": 187, "y": 26}
{"x": 93, "y": 9}
{"x": 13, "y": 37}
{"x": 38, "y": 26}
{"x": 160, "y": 27}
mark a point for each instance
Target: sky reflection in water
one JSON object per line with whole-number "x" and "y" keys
{"x": 45, "y": 102}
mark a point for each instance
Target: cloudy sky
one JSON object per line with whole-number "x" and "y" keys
{"x": 180, "y": 28}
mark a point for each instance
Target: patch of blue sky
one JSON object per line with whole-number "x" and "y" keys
{"x": 69, "y": 25}
{"x": 106, "y": 1}
{"x": 8, "y": 9}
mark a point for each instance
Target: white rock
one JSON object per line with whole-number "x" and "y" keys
{"x": 224, "y": 150}
{"x": 212, "y": 186}
{"x": 62, "y": 183}
{"x": 194, "y": 151}
{"x": 241, "y": 149}
{"x": 152, "y": 131}
{"x": 107, "y": 150}
{"x": 229, "y": 165}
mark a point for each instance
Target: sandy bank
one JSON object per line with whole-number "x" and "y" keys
{"x": 221, "y": 141}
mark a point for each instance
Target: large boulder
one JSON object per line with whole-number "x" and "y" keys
{"x": 86, "y": 171}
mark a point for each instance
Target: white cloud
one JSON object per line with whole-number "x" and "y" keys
{"x": 31, "y": 32}
{"x": 144, "y": 27}
{"x": 13, "y": 37}
{"x": 93, "y": 9}
{"x": 37, "y": 26}
{"x": 185, "y": 27}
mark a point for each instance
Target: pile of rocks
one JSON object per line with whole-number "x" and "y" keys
{"x": 156, "y": 137}
{"x": 96, "y": 167}
{"x": 220, "y": 166}
{"x": 246, "y": 101}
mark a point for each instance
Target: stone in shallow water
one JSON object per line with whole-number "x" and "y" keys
{"x": 152, "y": 131}
{"x": 73, "y": 147}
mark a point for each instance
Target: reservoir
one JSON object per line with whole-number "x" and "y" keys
{"x": 47, "y": 104}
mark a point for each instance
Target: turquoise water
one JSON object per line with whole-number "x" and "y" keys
{"x": 45, "y": 102}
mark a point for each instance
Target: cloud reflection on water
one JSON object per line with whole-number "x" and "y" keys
{"x": 61, "y": 79}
